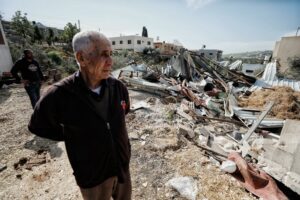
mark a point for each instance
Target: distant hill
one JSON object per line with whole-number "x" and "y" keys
{"x": 252, "y": 54}
{"x": 14, "y": 38}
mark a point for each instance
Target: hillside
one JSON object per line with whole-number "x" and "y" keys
{"x": 252, "y": 54}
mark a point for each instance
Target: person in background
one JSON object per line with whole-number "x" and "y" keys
{"x": 87, "y": 111}
{"x": 31, "y": 75}
{"x": 216, "y": 102}
{"x": 212, "y": 91}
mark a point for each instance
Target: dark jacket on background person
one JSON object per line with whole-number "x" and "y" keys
{"x": 29, "y": 70}
{"x": 97, "y": 148}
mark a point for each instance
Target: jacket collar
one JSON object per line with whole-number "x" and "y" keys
{"x": 76, "y": 80}
{"x": 75, "y": 84}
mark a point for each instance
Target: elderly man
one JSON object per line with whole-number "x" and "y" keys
{"x": 87, "y": 110}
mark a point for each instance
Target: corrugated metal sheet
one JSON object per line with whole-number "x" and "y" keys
{"x": 235, "y": 65}
{"x": 269, "y": 79}
{"x": 251, "y": 116}
{"x": 270, "y": 72}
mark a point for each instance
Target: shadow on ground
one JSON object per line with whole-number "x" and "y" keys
{"x": 4, "y": 95}
{"x": 38, "y": 143}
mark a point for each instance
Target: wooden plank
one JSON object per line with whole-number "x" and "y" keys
{"x": 257, "y": 122}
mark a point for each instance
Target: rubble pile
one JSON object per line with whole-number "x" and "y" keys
{"x": 216, "y": 110}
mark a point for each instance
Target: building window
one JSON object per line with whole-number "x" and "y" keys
{"x": 210, "y": 54}
{"x": 129, "y": 41}
{"x": 138, "y": 42}
{"x": 121, "y": 41}
{"x": 113, "y": 43}
{"x": 149, "y": 43}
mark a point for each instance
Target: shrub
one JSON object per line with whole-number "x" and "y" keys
{"x": 55, "y": 57}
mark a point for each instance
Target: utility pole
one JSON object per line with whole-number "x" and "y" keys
{"x": 79, "y": 25}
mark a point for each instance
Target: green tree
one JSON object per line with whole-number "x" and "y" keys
{"x": 50, "y": 37}
{"x": 37, "y": 34}
{"x": 22, "y": 26}
{"x": 145, "y": 32}
{"x": 69, "y": 31}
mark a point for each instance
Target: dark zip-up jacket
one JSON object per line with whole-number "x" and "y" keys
{"x": 97, "y": 148}
{"x": 30, "y": 71}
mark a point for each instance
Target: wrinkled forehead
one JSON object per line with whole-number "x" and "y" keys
{"x": 101, "y": 44}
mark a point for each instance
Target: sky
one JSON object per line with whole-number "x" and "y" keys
{"x": 229, "y": 25}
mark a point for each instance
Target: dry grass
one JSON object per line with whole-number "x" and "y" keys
{"x": 287, "y": 102}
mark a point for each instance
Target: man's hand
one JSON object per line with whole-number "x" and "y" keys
{"x": 25, "y": 82}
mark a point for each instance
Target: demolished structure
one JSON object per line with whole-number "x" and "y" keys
{"x": 205, "y": 90}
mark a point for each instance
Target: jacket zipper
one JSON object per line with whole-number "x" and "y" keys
{"x": 108, "y": 126}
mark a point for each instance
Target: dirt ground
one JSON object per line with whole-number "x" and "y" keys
{"x": 38, "y": 168}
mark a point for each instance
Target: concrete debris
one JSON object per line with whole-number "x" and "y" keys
{"x": 139, "y": 105}
{"x": 133, "y": 136}
{"x": 186, "y": 131}
{"x": 145, "y": 184}
{"x": 186, "y": 186}
{"x": 228, "y": 166}
{"x": 183, "y": 114}
{"x": 206, "y": 96}
{"x": 282, "y": 160}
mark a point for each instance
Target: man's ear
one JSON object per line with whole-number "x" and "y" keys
{"x": 80, "y": 58}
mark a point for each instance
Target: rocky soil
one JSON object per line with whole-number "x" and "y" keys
{"x": 38, "y": 168}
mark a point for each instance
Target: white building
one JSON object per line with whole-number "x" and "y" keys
{"x": 131, "y": 42}
{"x": 213, "y": 54}
{"x": 5, "y": 56}
{"x": 285, "y": 49}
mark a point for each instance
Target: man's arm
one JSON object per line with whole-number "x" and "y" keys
{"x": 14, "y": 71}
{"x": 44, "y": 120}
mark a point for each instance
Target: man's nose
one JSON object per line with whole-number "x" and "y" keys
{"x": 110, "y": 60}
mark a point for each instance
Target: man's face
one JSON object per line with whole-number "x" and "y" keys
{"x": 29, "y": 55}
{"x": 98, "y": 60}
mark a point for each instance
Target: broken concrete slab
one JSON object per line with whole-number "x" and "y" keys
{"x": 186, "y": 131}
{"x": 134, "y": 136}
{"x": 283, "y": 160}
{"x": 186, "y": 186}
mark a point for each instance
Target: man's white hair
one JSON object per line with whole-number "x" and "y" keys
{"x": 85, "y": 39}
